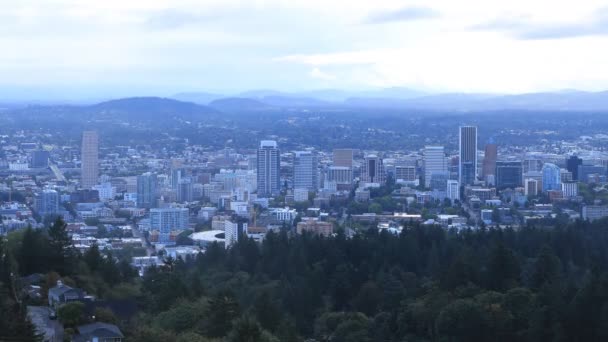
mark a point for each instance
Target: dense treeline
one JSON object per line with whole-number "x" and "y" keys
{"x": 49, "y": 253}
{"x": 426, "y": 284}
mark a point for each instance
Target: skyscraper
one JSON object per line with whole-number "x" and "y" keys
{"x": 40, "y": 159}
{"x": 89, "y": 159}
{"x": 508, "y": 174}
{"x": 467, "y": 167}
{"x": 572, "y": 165}
{"x": 166, "y": 220}
{"x": 343, "y": 157}
{"x": 551, "y": 177}
{"x": 47, "y": 202}
{"x": 305, "y": 171}
{"x": 268, "y": 169}
{"x": 184, "y": 190}
{"x": 489, "y": 160}
{"x": 434, "y": 163}
{"x": 146, "y": 190}
{"x": 372, "y": 170}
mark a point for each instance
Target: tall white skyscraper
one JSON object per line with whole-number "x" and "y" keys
{"x": 89, "y": 159}
{"x": 434, "y": 163}
{"x": 268, "y": 169}
{"x": 305, "y": 171}
{"x": 467, "y": 164}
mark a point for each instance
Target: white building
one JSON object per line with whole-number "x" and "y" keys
{"x": 232, "y": 232}
{"x": 106, "y": 191}
{"x": 284, "y": 214}
{"x": 594, "y": 212}
{"x": 453, "y": 190}
{"x": 570, "y": 189}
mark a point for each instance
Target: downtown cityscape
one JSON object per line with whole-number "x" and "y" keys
{"x": 303, "y": 171}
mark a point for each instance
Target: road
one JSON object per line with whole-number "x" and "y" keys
{"x": 52, "y": 329}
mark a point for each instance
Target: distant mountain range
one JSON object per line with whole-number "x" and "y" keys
{"x": 192, "y": 105}
{"x": 403, "y": 98}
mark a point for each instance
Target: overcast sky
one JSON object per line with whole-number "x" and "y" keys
{"x": 165, "y": 46}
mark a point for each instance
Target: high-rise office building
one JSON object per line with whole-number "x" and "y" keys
{"x": 232, "y": 231}
{"x": 40, "y": 159}
{"x": 532, "y": 165}
{"x": 268, "y": 169}
{"x": 166, "y": 220}
{"x": 184, "y": 190}
{"x": 467, "y": 141}
{"x": 434, "y": 162}
{"x": 89, "y": 159}
{"x": 572, "y": 165}
{"x": 47, "y": 202}
{"x": 508, "y": 174}
{"x": 372, "y": 170}
{"x": 343, "y": 157}
{"x": 405, "y": 173}
{"x": 585, "y": 171}
{"x": 176, "y": 177}
{"x": 305, "y": 171}
{"x": 146, "y": 190}
{"x": 551, "y": 177}
{"x": 489, "y": 160}
{"x": 530, "y": 187}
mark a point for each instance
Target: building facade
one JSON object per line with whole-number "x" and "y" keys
{"x": 372, "y": 170}
{"x": 305, "y": 171}
{"x": 89, "y": 159}
{"x": 166, "y": 220}
{"x": 434, "y": 162}
{"x": 467, "y": 169}
{"x": 551, "y": 177}
{"x": 146, "y": 190}
{"x": 268, "y": 169}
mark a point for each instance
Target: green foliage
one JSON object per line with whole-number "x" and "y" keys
{"x": 71, "y": 314}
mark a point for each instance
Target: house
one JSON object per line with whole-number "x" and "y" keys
{"x": 98, "y": 332}
{"x": 62, "y": 294}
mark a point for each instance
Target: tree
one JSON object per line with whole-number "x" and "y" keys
{"x": 547, "y": 268}
{"x": 462, "y": 320}
{"x": 61, "y": 252}
{"x": 71, "y": 314}
{"x": 246, "y": 329}
{"x": 105, "y": 315}
{"x": 267, "y": 311}
{"x": 93, "y": 258}
{"x": 503, "y": 269}
{"x": 222, "y": 310}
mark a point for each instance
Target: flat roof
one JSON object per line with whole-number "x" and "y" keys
{"x": 209, "y": 235}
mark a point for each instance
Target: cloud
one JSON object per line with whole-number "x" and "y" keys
{"x": 526, "y": 28}
{"x": 318, "y": 74}
{"x": 402, "y": 14}
{"x": 174, "y": 19}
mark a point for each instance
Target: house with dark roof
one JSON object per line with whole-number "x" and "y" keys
{"x": 62, "y": 294}
{"x": 98, "y": 332}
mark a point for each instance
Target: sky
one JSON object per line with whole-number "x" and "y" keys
{"x": 99, "y": 48}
